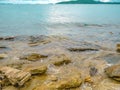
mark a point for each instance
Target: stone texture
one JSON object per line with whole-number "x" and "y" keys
{"x": 66, "y": 83}
{"x": 118, "y": 47}
{"x": 15, "y": 76}
{"x": 33, "y": 57}
{"x": 61, "y": 59}
{"x": 113, "y": 72}
{"x": 36, "y": 69}
{"x": 2, "y": 56}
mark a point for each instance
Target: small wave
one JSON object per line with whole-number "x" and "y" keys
{"x": 32, "y": 1}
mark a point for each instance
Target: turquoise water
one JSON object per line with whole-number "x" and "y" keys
{"x": 58, "y": 19}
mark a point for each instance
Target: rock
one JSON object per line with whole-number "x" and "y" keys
{"x": 81, "y": 49}
{"x": 3, "y": 81}
{"x": 33, "y": 57}
{"x": 118, "y": 47}
{"x": 9, "y": 38}
{"x": 3, "y": 47}
{"x": 36, "y": 69}
{"x": 93, "y": 71}
{"x": 60, "y": 60}
{"x": 36, "y": 40}
{"x": 66, "y": 83}
{"x": 1, "y": 38}
{"x": 15, "y": 76}
{"x": 2, "y": 56}
{"x": 88, "y": 79}
{"x": 107, "y": 84}
{"x": 32, "y": 44}
{"x": 53, "y": 78}
{"x": 113, "y": 72}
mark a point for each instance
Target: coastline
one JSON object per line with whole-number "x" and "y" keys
{"x": 65, "y": 63}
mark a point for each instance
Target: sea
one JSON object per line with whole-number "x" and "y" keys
{"x": 90, "y": 21}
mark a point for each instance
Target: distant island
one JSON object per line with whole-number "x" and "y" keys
{"x": 87, "y": 2}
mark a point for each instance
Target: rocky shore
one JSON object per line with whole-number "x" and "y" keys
{"x": 57, "y": 63}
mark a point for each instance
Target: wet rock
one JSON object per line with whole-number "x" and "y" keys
{"x": 93, "y": 71}
{"x": 9, "y": 38}
{"x": 1, "y": 38}
{"x": 15, "y": 76}
{"x": 81, "y": 49}
{"x": 2, "y": 47}
{"x": 88, "y": 79}
{"x": 36, "y": 69}
{"x": 2, "y": 56}
{"x": 66, "y": 83}
{"x": 61, "y": 59}
{"x": 3, "y": 80}
{"x": 107, "y": 84}
{"x": 37, "y": 40}
{"x": 61, "y": 62}
{"x": 118, "y": 47}
{"x": 32, "y": 44}
{"x": 53, "y": 78}
{"x": 113, "y": 72}
{"x": 33, "y": 57}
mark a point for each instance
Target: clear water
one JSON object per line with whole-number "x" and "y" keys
{"x": 58, "y": 19}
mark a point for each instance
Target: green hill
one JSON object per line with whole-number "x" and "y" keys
{"x": 86, "y": 2}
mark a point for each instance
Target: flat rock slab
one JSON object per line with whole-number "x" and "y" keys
{"x": 81, "y": 49}
{"x": 64, "y": 84}
{"x": 15, "y": 76}
{"x": 59, "y": 60}
{"x": 2, "y": 56}
{"x": 118, "y": 47}
{"x": 113, "y": 72}
{"x": 33, "y": 57}
{"x": 36, "y": 69}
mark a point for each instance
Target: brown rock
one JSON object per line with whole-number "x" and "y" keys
{"x": 15, "y": 76}
{"x": 2, "y": 56}
{"x": 81, "y": 49}
{"x": 33, "y": 57}
{"x": 88, "y": 79}
{"x": 60, "y": 60}
{"x": 118, "y": 47}
{"x": 36, "y": 69}
{"x": 66, "y": 83}
{"x": 113, "y": 72}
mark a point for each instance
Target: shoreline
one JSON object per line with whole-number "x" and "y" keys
{"x": 57, "y": 62}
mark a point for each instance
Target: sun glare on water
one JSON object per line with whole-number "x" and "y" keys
{"x": 105, "y": 0}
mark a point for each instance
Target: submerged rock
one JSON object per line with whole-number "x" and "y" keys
{"x": 113, "y": 72}
{"x": 33, "y": 57}
{"x": 118, "y": 47}
{"x": 2, "y": 47}
{"x": 107, "y": 84}
{"x": 81, "y": 49}
{"x": 66, "y": 83}
{"x": 15, "y": 76}
{"x": 36, "y": 69}
{"x": 61, "y": 59}
{"x": 93, "y": 71}
{"x": 36, "y": 40}
{"x": 7, "y": 38}
{"x": 2, "y": 56}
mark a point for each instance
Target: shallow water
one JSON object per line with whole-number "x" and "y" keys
{"x": 74, "y": 26}
{"x": 57, "y": 19}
